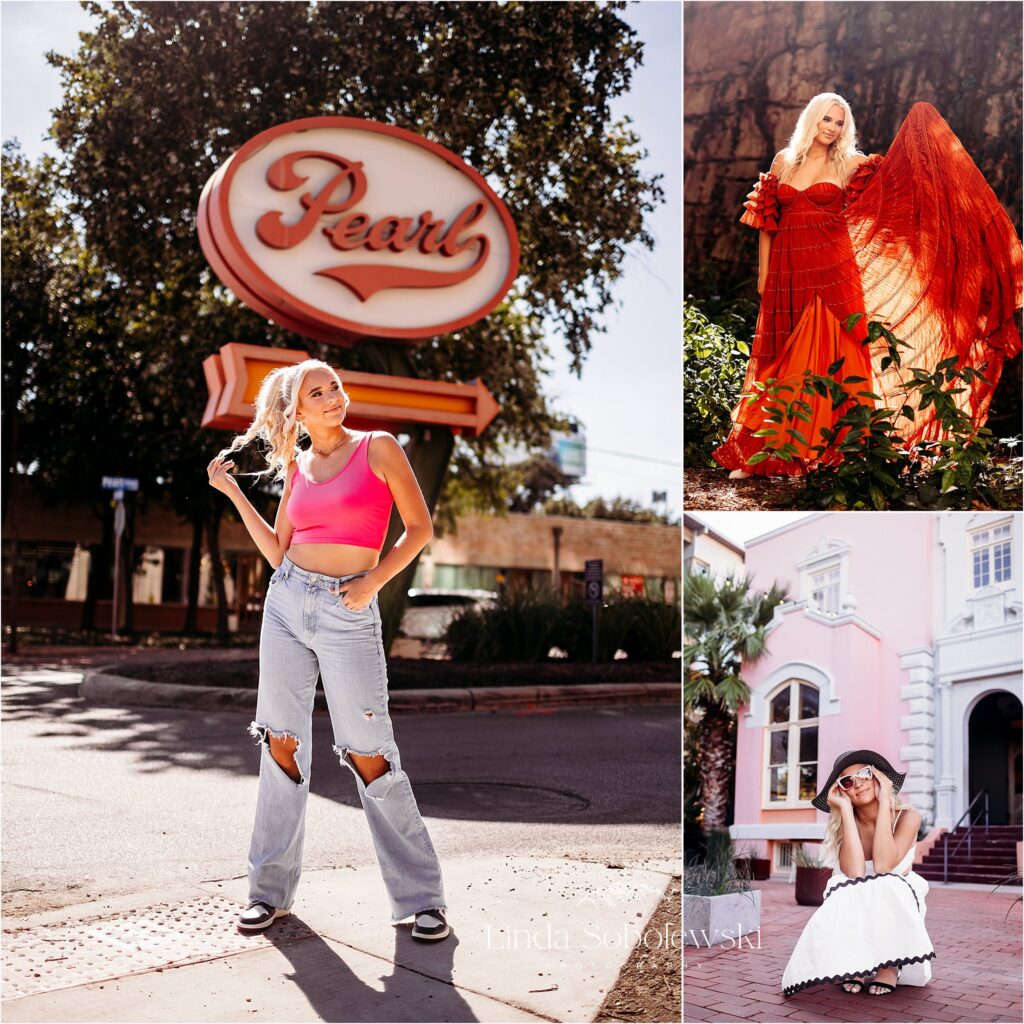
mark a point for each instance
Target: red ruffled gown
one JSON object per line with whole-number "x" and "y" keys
{"x": 916, "y": 240}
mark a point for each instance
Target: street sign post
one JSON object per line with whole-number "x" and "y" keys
{"x": 118, "y": 484}
{"x": 593, "y": 593}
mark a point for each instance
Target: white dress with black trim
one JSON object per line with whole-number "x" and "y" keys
{"x": 863, "y": 925}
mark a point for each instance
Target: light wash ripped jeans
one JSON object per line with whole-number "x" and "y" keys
{"x": 307, "y": 630}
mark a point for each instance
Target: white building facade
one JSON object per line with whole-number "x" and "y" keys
{"x": 965, "y": 710}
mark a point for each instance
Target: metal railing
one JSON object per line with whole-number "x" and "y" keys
{"x": 968, "y": 836}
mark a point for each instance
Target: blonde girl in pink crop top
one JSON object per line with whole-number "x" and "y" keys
{"x": 334, "y": 512}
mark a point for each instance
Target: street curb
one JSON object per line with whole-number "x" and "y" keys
{"x": 101, "y": 686}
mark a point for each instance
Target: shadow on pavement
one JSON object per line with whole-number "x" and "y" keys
{"x": 335, "y": 992}
{"x": 630, "y": 755}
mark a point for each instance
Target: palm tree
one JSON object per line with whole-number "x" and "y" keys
{"x": 725, "y": 627}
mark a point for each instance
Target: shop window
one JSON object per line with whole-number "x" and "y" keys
{"x": 44, "y": 569}
{"x": 172, "y": 586}
{"x": 465, "y": 577}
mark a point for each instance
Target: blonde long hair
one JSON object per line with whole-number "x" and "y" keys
{"x": 833, "y": 840}
{"x": 839, "y": 151}
{"x": 275, "y": 420}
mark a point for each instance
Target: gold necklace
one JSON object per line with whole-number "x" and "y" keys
{"x": 338, "y": 444}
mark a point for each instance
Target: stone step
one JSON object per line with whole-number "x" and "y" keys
{"x": 991, "y": 856}
{"x": 979, "y": 842}
{"x": 1008, "y": 831}
{"x": 967, "y": 876}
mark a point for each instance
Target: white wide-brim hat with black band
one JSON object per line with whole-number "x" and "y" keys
{"x": 844, "y": 761}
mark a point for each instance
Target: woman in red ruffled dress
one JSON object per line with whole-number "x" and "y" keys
{"x": 915, "y": 239}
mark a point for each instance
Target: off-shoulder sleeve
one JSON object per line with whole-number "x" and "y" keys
{"x": 861, "y": 176}
{"x": 761, "y": 209}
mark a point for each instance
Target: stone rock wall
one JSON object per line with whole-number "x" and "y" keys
{"x": 750, "y": 68}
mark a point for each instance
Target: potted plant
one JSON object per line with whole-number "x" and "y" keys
{"x": 718, "y": 903}
{"x": 812, "y": 876}
{"x": 1013, "y": 878}
{"x": 749, "y": 865}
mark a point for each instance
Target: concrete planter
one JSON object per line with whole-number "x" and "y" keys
{"x": 810, "y": 885}
{"x": 710, "y": 920}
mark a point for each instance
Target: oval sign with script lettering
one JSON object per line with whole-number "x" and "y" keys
{"x": 340, "y": 228}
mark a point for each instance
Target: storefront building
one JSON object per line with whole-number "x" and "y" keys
{"x": 483, "y": 553}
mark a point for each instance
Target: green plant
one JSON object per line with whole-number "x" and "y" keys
{"x": 804, "y": 860}
{"x": 725, "y": 625}
{"x": 1013, "y": 878}
{"x": 517, "y": 627}
{"x": 655, "y": 631}
{"x": 717, "y": 874}
{"x": 863, "y": 462}
{"x": 525, "y": 623}
{"x": 714, "y": 364}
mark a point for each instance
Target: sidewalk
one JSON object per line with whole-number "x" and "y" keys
{"x": 107, "y": 681}
{"x": 531, "y": 940}
{"x": 976, "y": 975}
{"x": 101, "y": 686}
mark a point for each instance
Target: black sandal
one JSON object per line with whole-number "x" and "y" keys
{"x": 885, "y": 985}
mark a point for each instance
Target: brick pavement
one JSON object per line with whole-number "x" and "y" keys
{"x": 976, "y": 975}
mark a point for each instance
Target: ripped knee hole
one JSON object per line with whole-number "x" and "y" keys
{"x": 369, "y": 767}
{"x": 282, "y": 749}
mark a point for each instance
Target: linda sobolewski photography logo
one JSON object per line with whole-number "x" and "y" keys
{"x": 726, "y": 938}
{"x": 589, "y": 935}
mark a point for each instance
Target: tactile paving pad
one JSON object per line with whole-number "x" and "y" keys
{"x": 164, "y": 935}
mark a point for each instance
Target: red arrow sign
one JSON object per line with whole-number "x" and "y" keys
{"x": 378, "y": 401}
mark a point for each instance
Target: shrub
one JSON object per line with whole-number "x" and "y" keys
{"x": 714, "y": 365}
{"x": 524, "y": 624}
{"x": 519, "y": 626}
{"x": 656, "y": 631}
{"x": 863, "y": 462}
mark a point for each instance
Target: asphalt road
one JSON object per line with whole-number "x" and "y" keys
{"x": 100, "y": 801}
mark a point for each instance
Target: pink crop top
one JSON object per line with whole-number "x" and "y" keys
{"x": 353, "y": 507}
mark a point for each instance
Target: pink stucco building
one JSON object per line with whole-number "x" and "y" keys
{"x": 902, "y": 634}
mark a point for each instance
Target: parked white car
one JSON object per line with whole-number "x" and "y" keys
{"x": 427, "y": 615}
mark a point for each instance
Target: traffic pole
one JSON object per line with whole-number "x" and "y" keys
{"x": 119, "y": 523}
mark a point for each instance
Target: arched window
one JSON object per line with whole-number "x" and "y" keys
{"x": 791, "y": 745}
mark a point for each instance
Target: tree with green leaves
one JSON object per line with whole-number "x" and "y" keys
{"x": 71, "y": 403}
{"x": 158, "y": 96}
{"x": 725, "y": 626}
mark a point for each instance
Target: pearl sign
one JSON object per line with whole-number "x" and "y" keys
{"x": 339, "y": 228}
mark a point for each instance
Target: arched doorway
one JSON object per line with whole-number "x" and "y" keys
{"x": 994, "y": 756}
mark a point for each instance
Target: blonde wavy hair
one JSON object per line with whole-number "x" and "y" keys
{"x": 833, "y": 840}
{"x": 275, "y": 421}
{"x": 841, "y": 148}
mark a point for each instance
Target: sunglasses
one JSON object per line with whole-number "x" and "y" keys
{"x": 847, "y": 781}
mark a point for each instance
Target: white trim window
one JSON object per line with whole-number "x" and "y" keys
{"x": 991, "y": 555}
{"x": 790, "y": 777}
{"x": 825, "y": 590}
{"x": 825, "y": 579}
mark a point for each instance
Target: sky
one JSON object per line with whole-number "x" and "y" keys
{"x": 742, "y": 527}
{"x": 629, "y": 396}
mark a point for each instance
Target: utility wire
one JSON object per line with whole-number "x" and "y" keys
{"x": 630, "y": 455}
